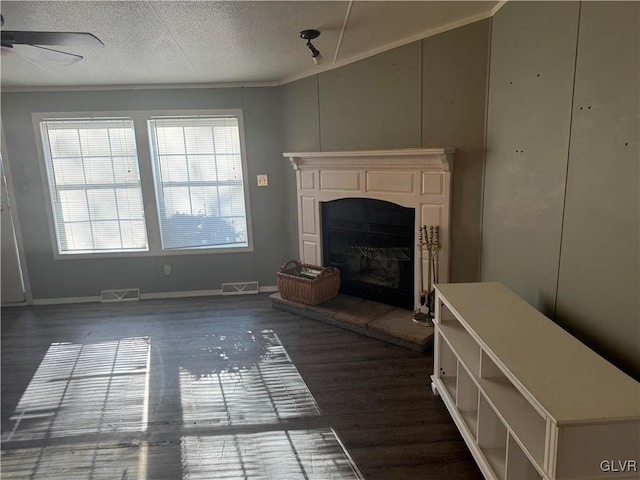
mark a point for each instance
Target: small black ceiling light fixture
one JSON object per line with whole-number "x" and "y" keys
{"x": 309, "y": 35}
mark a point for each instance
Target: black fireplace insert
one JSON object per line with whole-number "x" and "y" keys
{"x": 371, "y": 243}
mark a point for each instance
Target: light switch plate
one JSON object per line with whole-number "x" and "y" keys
{"x": 263, "y": 181}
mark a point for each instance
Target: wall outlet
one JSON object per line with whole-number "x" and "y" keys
{"x": 263, "y": 181}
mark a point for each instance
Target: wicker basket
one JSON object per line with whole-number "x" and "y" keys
{"x": 309, "y": 291}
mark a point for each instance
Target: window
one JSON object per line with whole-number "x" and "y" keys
{"x": 199, "y": 182}
{"x": 111, "y": 196}
{"x": 94, "y": 183}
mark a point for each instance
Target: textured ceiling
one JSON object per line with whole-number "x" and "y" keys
{"x": 218, "y": 42}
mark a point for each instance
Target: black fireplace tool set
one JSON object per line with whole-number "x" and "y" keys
{"x": 429, "y": 240}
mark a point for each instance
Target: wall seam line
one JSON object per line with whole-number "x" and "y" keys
{"x": 484, "y": 159}
{"x": 319, "y": 119}
{"x": 421, "y": 97}
{"x": 566, "y": 174}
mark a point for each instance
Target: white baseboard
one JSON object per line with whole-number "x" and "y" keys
{"x": 185, "y": 294}
{"x": 65, "y": 300}
{"x": 145, "y": 296}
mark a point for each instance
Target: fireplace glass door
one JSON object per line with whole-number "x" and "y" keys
{"x": 371, "y": 243}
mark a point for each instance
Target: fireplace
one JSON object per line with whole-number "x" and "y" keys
{"x": 401, "y": 190}
{"x": 371, "y": 242}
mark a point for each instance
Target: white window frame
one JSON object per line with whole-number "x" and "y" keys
{"x": 172, "y": 185}
{"x": 145, "y": 166}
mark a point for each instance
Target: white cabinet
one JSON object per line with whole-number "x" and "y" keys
{"x": 530, "y": 400}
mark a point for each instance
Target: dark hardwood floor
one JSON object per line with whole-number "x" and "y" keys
{"x": 207, "y": 388}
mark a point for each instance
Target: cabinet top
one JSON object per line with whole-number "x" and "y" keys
{"x": 571, "y": 382}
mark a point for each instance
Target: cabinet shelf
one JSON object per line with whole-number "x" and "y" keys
{"x": 518, "y": 466}
{"x": 448, "y": 369}
{"x": 492, "y": 437}
{"x": 467, "y": 400}
{"x": 496, "y": 458}
{"x": 470, "y": 418}
{"x": 518, "y": 415}
{"x": 462, "y": 344}
{"x": 450, "y": 385}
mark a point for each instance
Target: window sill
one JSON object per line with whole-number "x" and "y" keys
{"x": 152, "y": 254}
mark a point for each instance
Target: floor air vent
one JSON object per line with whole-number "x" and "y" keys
{"x": 240, "y": 288}
{"x": 120, "y": 295}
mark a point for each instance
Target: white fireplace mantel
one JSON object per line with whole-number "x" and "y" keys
{"x": 414, "y": 178}
{"x": 436, "y": 158}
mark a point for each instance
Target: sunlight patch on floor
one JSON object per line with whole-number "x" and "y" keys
{"x": 249, "y": 379}
{"x": 80, "y": 389}
{"x": 75, "y": 462}
{"x": 300, "y": 454}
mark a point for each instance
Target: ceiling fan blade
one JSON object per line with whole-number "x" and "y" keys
{"x": 16, "y": 37}
{"x": 35, "y": 52}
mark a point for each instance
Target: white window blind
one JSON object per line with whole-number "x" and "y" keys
{"x": 199, "y": 181}
{"x": 94, "y": 182}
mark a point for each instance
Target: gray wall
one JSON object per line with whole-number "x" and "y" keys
{"x": 429, "y": 93}
{"x": 561, "y": 206}
{"x": 77, "y": 278}
{"x": 455, "y": 69}
{"x": 372, "y": 104}
{"x": 598, "y": 282}
{"x": 529, "y": 118}
{"x": 300, "y": 133}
